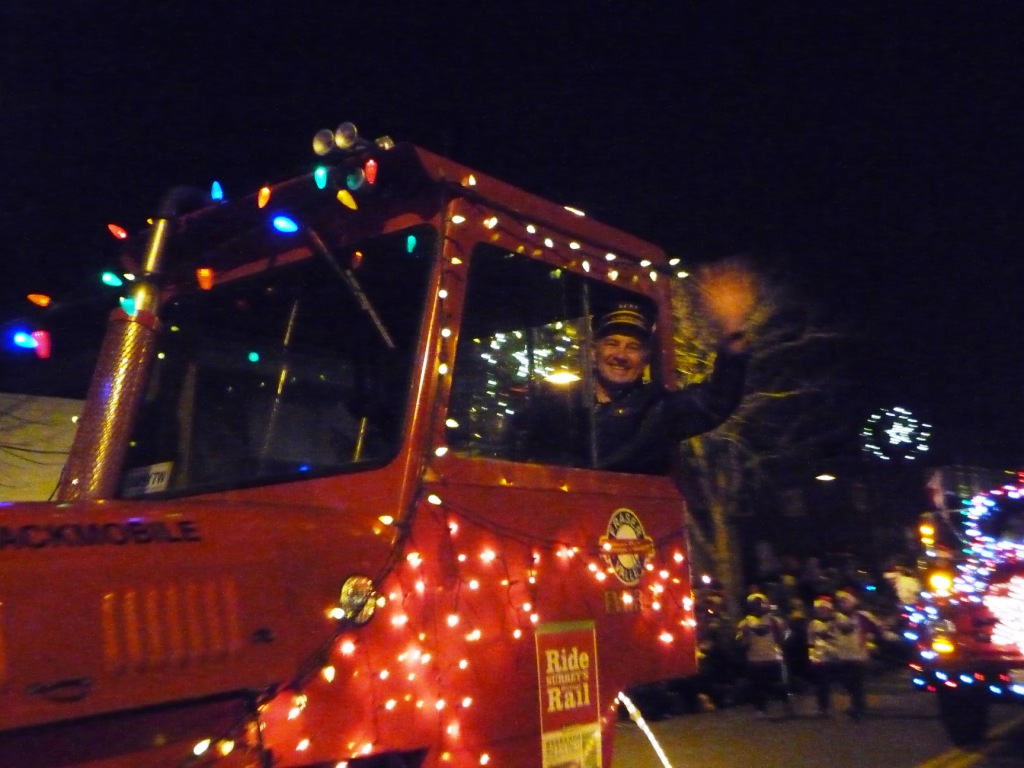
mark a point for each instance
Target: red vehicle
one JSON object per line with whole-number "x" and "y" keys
{"x": 293, "y": 529}
{"x": 972, "y": 627}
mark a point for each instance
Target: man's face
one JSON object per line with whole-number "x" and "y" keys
{"x": 621, "y": 360}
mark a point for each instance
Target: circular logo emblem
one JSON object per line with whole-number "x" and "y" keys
{"x": 626, "y": 546}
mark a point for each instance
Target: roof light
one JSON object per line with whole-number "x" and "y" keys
{"x": 345, "y": 135}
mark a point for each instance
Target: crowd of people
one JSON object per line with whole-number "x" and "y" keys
{"x": 808, "y": 628}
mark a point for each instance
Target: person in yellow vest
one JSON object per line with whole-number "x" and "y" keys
{"x": 761, "y": 634}
{"x": 821, "y": 651}
{"x": 854, "y": 629}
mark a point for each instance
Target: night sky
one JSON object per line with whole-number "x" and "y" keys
{"x": 870, "y": 152}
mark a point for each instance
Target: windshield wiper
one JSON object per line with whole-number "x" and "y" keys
{"x": 353, "y": 286}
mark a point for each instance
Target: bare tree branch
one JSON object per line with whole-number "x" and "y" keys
{"x": 787, "y": 415}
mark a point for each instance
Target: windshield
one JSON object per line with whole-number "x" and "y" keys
{"x": 296, "y": 371}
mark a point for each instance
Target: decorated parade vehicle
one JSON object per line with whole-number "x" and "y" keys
{"x": 296, "y": 528}
{"x": 971, "y": 627}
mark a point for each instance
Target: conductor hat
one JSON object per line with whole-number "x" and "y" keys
{"x": 625, "y": 318}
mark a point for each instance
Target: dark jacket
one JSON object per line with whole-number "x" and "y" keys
{"x": 636, "y": 432}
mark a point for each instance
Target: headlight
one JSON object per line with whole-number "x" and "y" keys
{"x": 356, "y": 601}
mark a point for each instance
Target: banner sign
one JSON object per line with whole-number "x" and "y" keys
{"x": 569, "y": 703}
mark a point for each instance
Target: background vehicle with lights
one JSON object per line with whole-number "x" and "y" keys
{"x": 971, "y": 626}
{"x": 293, "y": 528}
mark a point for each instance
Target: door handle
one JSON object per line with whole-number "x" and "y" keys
{"x": 72, "y": 689}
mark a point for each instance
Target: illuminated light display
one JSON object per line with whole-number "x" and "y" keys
{"x": 1006, "y": 601}
{"x": 111, "y": 279}
{"x": 39, "y": 299}
{"x": 42, "y": 340}
{"x": 37, "y": 341}
{"x": 216, "y": 191}
{"x": 895, "y": 434}
{"x": 413, "y": 693}
{"x": 204, "y": 278}
{"x": 23, "y": 339}
{"x": 117, "y": 231}
{"x": 285, "y": 224}
{"x": 355, "y": 180}
{"x": 346, "y": 199}
{"x": 989, "y": 526}
{"x": 480, "y": 567}
{"x": 370, "y": 171}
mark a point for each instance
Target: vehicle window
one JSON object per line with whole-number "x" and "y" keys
{"x": 521, "y": 385}
{"x": 302, "y": 370}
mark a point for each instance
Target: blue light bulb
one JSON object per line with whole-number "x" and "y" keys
{"x": 24, "y": 340}
{"x": 285, "y": 224}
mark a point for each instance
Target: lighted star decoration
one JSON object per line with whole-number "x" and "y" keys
{"x": 895, "y": 434}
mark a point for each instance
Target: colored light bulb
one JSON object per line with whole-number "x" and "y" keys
{"x": 42, "y": 340}
{"x": 39, "y": 299}
{"x": 204, "y": 277}
{"x": 24, "y": 340}
{"x": 320, "y": 177}
{"x": 370, "y": 170}
{"x": 285, "y": 224}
